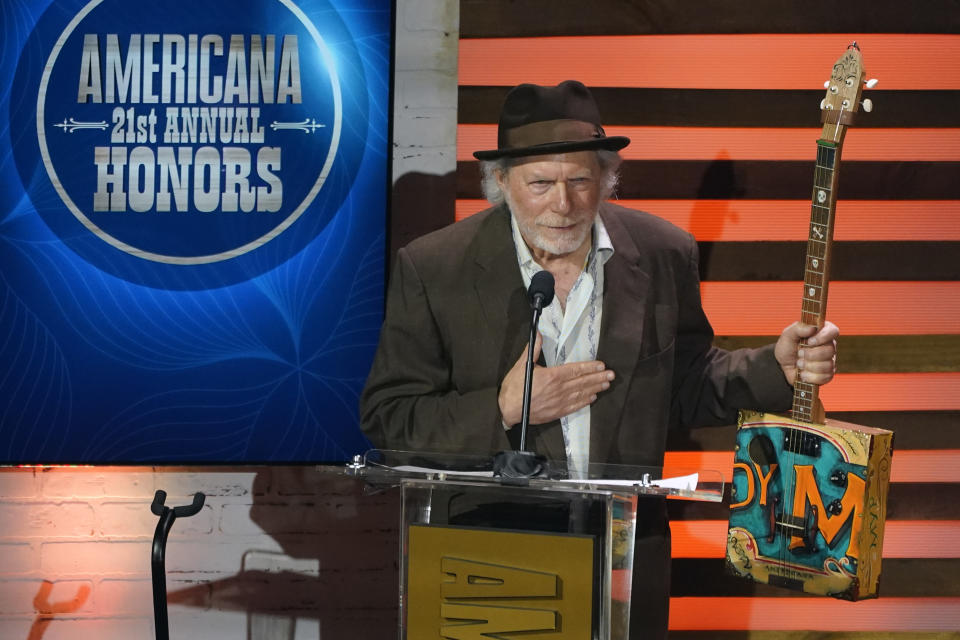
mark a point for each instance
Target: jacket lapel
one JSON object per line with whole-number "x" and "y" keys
{"x": 497, "y": 282}
{"x": 626, "y": 288}
{"x": 503, "y": 301}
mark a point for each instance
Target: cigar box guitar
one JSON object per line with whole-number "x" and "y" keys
{"x": 809, "y": 493}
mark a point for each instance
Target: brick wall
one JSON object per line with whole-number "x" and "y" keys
{"x": 279, "y": 552}
{"x": 276, "y": 552}
{"x": 424, "y": 119}
{"x": 425, "y": 87}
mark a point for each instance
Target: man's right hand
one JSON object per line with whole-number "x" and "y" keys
{"x": 557, "y": 391}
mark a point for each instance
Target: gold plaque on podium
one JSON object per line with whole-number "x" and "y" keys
{"x": 473, "y": 584}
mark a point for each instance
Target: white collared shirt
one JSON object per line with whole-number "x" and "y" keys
{"x": 574, "y": 335}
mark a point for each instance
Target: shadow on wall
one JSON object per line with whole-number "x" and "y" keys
{"x": 719, "y": 188}
{"x": 719, "y": 183}
{"x": 707, "y": 219}
{"x": 420, "y": 203}
{"x": 338, "y": 565}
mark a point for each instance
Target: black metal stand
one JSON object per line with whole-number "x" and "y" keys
{"x": 517, "y": 467}
{"x": 528, "y": 378}
{"x": 159, "y": 551}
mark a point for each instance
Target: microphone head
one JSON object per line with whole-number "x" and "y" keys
{"x": 541, "y": 289}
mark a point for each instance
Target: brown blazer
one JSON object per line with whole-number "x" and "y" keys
{"x": 457, "y": 319}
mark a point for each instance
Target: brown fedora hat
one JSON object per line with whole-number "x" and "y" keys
{"x": 539, "y": 120}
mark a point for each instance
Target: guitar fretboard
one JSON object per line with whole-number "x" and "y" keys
{"x": 816, "y": 270}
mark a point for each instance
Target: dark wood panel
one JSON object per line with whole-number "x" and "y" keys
{"x": 532, "y": 18}
{"x": 913, "y": 429}
{"x": 879, "y": 354}
{"x": 756, "y": 179}
{"x": 855, "y": 260}
{"x": 899, "y": 578}
{"x": 731, "y": 108}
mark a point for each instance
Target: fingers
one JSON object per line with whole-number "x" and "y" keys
{"x": 817, "y": 365}
{"x": 564, "y": 389}
{"x": 812, "y": 377}
{"x": 592, "y": 375}
{"x": 827, "y": 334}
{"x": 807, "y": 353}
{"x": 580, "y": 399}
{"x": 819, "y": 345}
{"x": 817, "y": 357}
{"x": 787, "y": 349}
{"x": 583, "y": 388}
{"x": 798, "y": 331}
{"x": 510, "y": 397}
{"x": 556, "y": 391}
{"x": 584, "y": 380}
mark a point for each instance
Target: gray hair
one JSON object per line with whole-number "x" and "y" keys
{"x": 609, "y": 162}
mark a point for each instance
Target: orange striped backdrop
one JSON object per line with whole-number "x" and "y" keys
{"x": 692, "y": 84}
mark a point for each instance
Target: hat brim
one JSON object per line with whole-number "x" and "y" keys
{"x": 612, "y": 143}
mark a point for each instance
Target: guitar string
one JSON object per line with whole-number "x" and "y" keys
{"x": 794, "y": 437}
{"x": 823, "y": 170}
{"x": 836, "y": 131}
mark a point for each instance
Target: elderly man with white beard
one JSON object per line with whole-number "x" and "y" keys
{"x": 624, "y": 350}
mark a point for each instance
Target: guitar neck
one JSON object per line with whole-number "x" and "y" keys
{"x": 806, "y": 396}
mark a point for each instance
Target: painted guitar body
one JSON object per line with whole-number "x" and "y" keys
{"x": 809, "y": 494}
{"x": 808, "y": 505}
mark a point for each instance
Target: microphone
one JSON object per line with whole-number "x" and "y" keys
{"x": 517, "y": 467}
{"x": 540, "y": 294}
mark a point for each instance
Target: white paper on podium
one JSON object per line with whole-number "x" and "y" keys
{"x": 682, "y": 483}
{"x": 406, "y": 468}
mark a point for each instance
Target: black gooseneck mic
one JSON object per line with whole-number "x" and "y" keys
{"x": 540, "y": 294}
{"x": 517, "y": 467}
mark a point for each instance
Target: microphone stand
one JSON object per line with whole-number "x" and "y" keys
{"x": 517, "y": 467}
{"x": 528, "y": 374}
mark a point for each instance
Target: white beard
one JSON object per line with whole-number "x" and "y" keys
{"x": 535, "y": 235}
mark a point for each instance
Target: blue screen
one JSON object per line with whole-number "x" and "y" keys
{"x": 192, "y": 228}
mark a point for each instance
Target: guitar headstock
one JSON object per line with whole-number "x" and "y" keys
{"x": 844, "y": 89}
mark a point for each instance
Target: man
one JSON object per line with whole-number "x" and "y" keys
{"x": 625, "y": 346}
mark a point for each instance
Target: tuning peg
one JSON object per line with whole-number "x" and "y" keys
{"x": 871, "y": 83}
{"x": 823, "y": 103}
{"x": 867, "y": 105}
{"x": 826, "y": 85}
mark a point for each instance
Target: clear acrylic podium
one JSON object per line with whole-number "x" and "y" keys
{"x": 546, "y": 557}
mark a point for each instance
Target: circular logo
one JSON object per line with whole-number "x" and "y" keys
{"x": 190, "y": 144}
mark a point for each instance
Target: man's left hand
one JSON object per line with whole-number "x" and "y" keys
{"x": 812, "y": 354}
